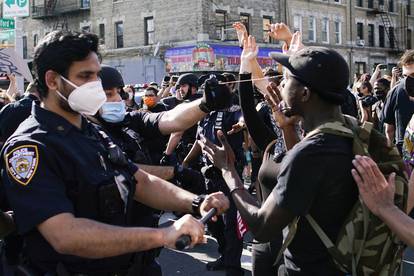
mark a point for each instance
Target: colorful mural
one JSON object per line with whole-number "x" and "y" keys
{"x": 211, "y": 57}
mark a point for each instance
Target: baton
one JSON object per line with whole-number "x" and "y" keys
{"x": 185, "y": 240}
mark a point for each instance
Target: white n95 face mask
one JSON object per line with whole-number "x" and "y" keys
{"x": 86, "y": 99}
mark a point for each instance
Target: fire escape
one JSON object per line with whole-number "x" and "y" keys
{"x": 383, "y": 12}
{"x": 57, "y": 11}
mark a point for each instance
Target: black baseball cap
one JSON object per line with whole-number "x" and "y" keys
{"x": 321, "y": 69}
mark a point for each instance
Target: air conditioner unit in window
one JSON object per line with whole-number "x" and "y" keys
{"x": 381, "y": 7}
{"x": 360, "y": 43}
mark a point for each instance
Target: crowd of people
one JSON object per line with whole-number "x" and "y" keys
{"x": 317, "y": 169}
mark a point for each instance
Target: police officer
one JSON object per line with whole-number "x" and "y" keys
{"x": 16, "y": 112}
{"x": 230, "y": 245}
{"x": 135, "y": 145}
{"x": 71, "y": 188}
{"x": 180, "y": 143}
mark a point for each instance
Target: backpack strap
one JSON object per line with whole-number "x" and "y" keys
{"x": 266, "y": 153}
{"x": 329, "y": 244}
{"x": 292, "y": 228}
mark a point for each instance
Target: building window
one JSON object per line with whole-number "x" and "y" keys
{"x": 392, "y": 37}
{"x": 338, "y": 32}
{"x": 360, "y": 31}
{"x": 297, "y": 23}
{"x": 312, "y": 29}
{"x": 101, "y": 33}
{"x": 337, "y": 1}
{"x": 409, "y": 7}
{"x": 391, "y": 5}
{"x": 381, "y": 36}
{"x": 221, "y": 20}
{"x": 35, "y": 40}
{"x": 119, "y": 34}
{"x": 409, "y": 37}
{"x": 371, "y": 36}
{"x": 245, "y": 19}
{"x": 360, "y": 68}
{"x": 360, "y": 3}
{"x": 85, "y": 4}
{"x": 266, "y": 28}
{"x": 370, "y": 4}
{"x": 86, "y": 29}
{"x": 24, "y": 38}
{"x": 325, "y": 30}
{"x": 149, "y": 30}
{"x": 381, "y": 2}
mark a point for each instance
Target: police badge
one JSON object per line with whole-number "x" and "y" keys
{"x": 22, "y": 163}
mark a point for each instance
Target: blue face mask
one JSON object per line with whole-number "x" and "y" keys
{"x": 137, "y": 99}
{"x": 113, "y": 112}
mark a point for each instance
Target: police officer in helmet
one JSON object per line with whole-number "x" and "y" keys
{"x": 71, "y": 187}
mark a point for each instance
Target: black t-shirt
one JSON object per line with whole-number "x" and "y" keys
{"x": 316, "y": 179}
{"x": 397, "y": 111}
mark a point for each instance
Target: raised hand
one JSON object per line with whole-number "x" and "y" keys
{"x": 280, "y": 31}
{"x": 376, "y": 192}
{"x": 295, "y": 44}
{"x": 250, "y": 49}
{"x": 241, "y": 32}
{"x": 274, "y": 99}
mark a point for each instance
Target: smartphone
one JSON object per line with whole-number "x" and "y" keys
{"x": 174, "y": 79}
{"x": 383, "y": 66}
{"x": 166, "y": 79}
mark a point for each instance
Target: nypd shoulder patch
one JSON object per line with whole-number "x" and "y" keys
{"x": 22, "y": 163}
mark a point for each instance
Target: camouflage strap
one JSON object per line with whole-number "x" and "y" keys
{"x": 338, "y": 257}
{"x": 292, "y": 228}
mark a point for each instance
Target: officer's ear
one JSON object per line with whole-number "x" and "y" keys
{"x": 306, "y": 94}
{"x": 52, "y": 80}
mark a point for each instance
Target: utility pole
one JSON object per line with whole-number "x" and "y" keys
{"x": 18, "y": 47}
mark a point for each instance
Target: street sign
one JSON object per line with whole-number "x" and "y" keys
{"x": 6, "y": 23}
{"x": 15, "y": 8}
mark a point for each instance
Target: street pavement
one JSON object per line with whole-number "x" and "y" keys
{"x": 193, "y": 261}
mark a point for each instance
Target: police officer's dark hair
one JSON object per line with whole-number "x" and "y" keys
{"x": 57, "y": 51}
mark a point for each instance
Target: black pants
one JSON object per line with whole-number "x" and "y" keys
{"x": 225, "y": 229}
{"x": 264, "y": 257}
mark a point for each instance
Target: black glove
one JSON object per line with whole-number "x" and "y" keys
{"x": 216, "y": 96}
{"x": 189, "y": 179}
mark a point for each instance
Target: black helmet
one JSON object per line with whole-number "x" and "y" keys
{"x": 110, "y": 77}
{"x": 189, "y": 79}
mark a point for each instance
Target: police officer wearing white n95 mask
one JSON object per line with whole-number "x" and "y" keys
{"x": 71, "y": 188}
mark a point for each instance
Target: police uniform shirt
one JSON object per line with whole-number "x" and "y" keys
{"x": 13, "y": 114}
{"x": 48, "y": 165}
{"x": 223, "y": 120}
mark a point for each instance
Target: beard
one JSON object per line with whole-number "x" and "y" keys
{"x": 63, "y": 103}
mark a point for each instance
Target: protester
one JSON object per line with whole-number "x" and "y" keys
{"x": 60, "y": 170}
{"x": 381, "y": 88}
{"x": 325, "y": 191}
{"x": 399, "y": 106}
{"x": 150, "y": 100}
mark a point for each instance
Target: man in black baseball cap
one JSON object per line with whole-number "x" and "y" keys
{"x": 315, "y": 175}
{"x": 319, "y": 70}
